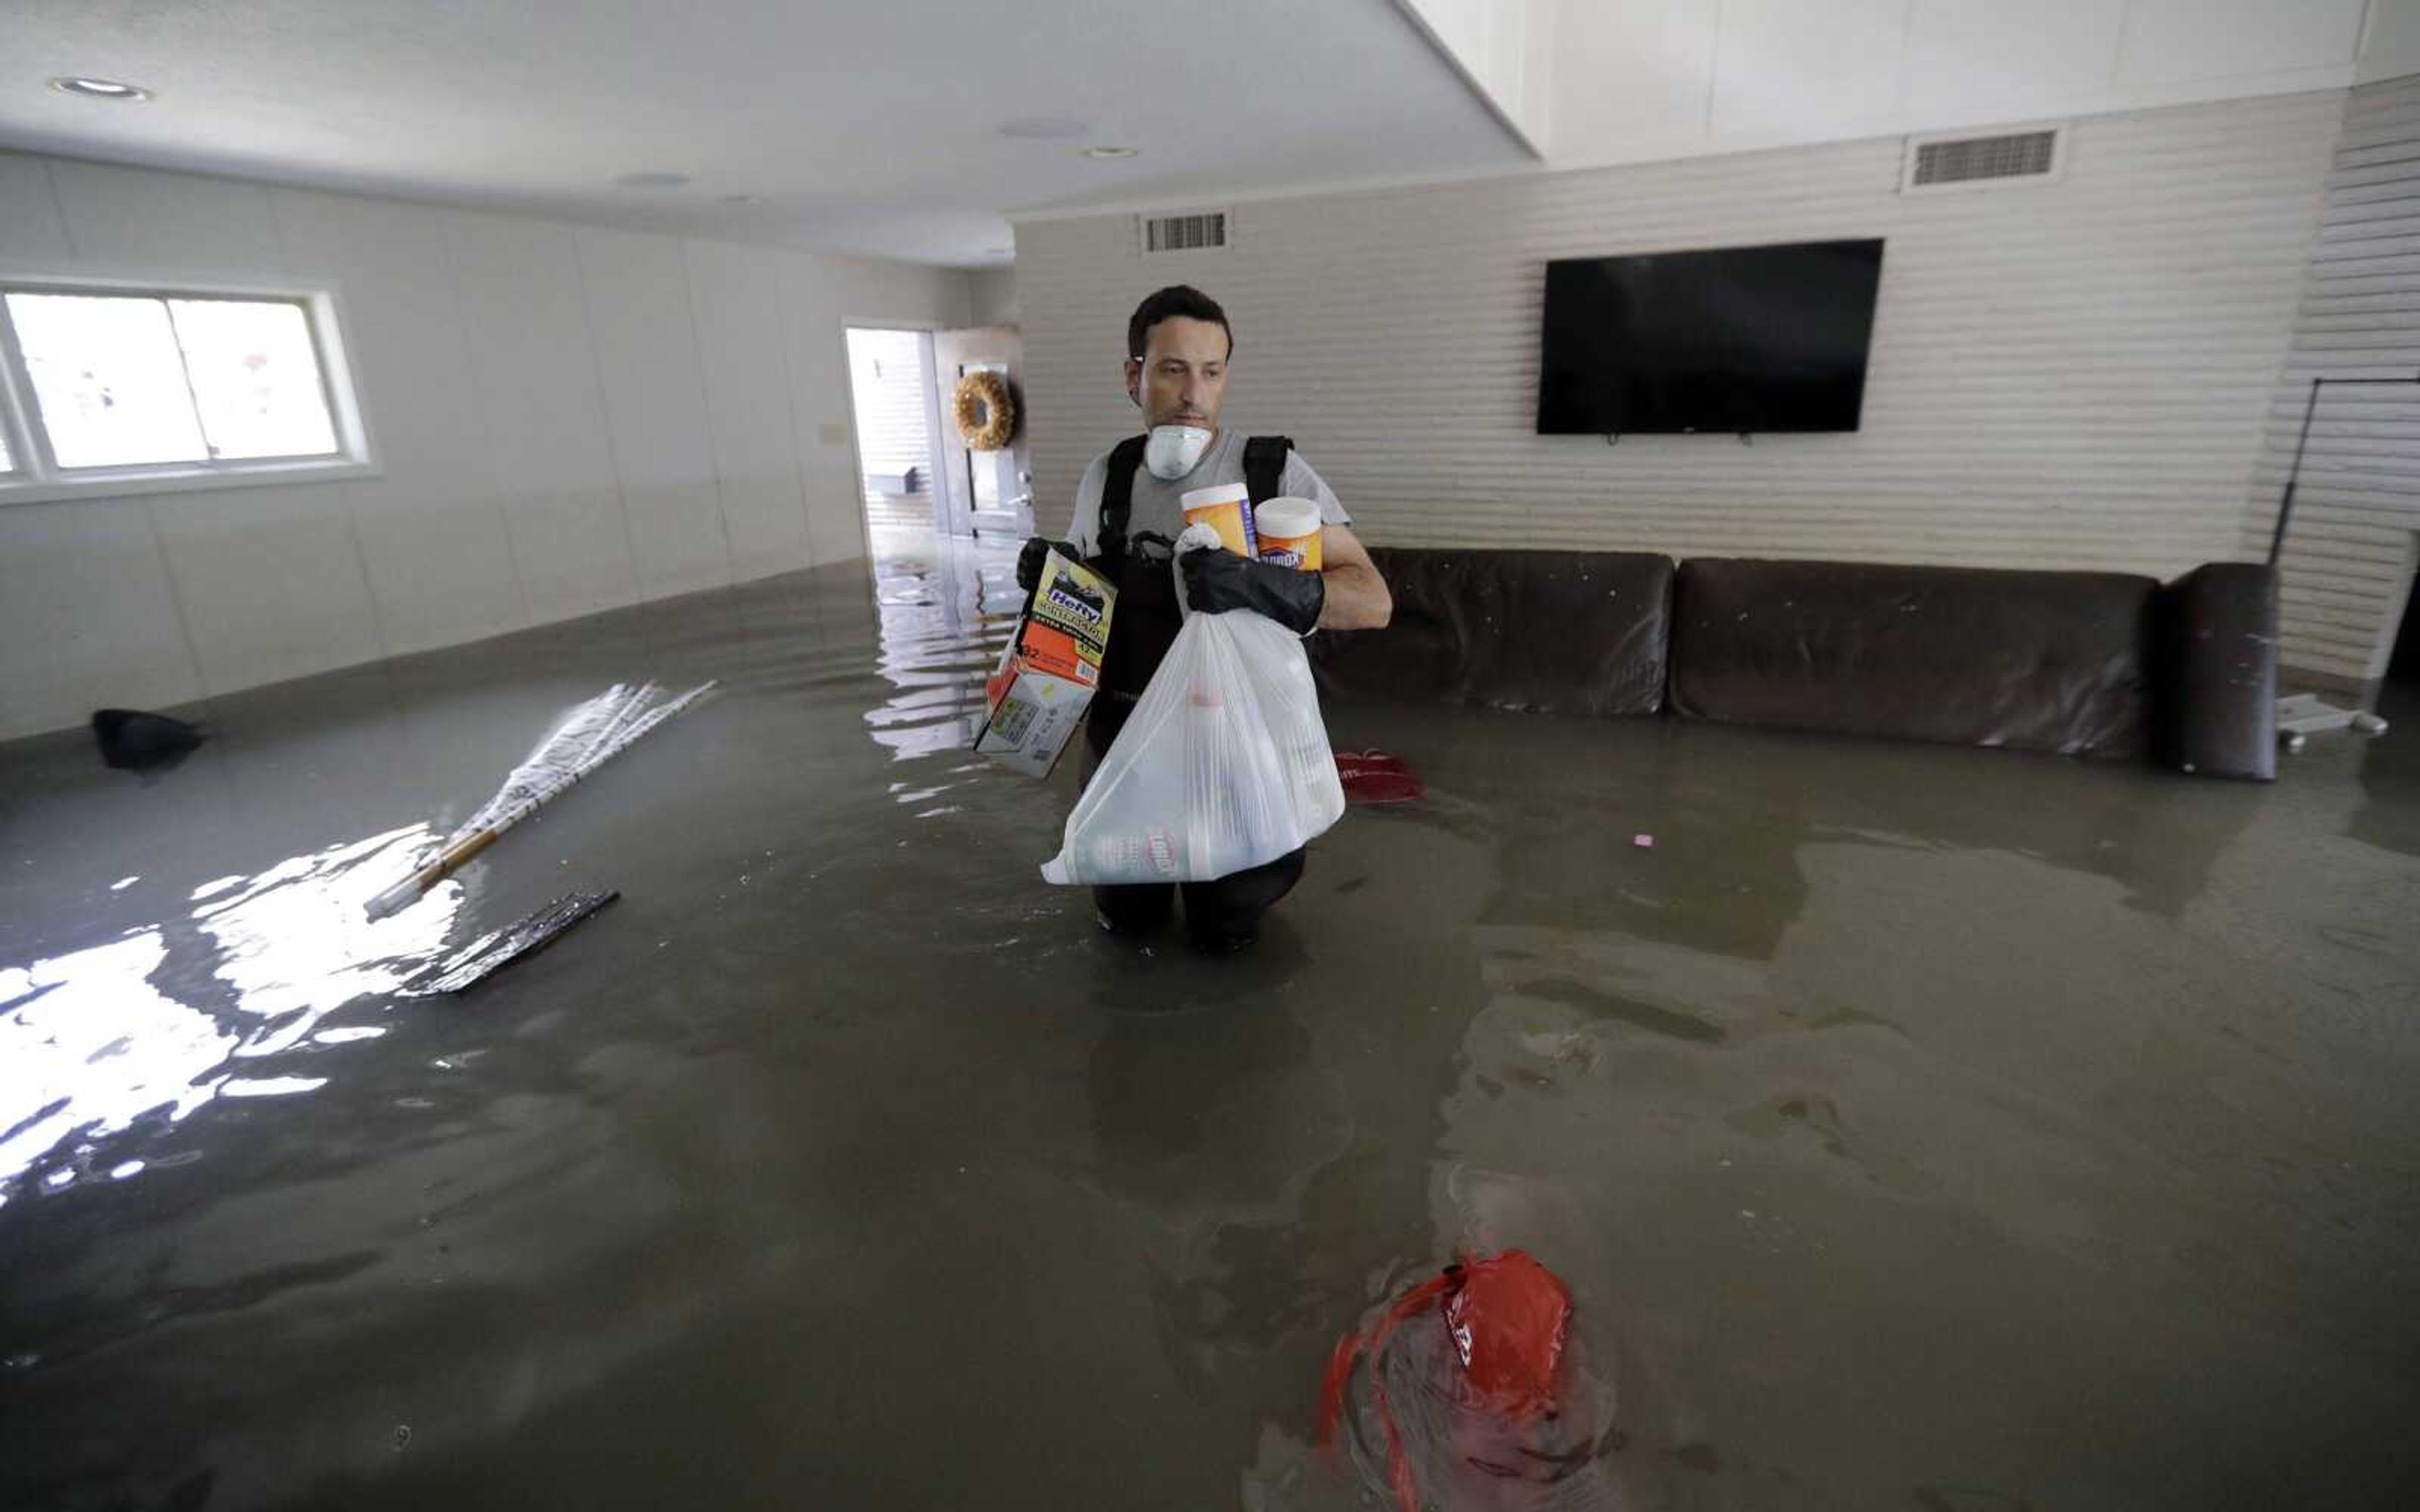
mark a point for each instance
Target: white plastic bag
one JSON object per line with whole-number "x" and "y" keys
{"x": 1223, "y": 765}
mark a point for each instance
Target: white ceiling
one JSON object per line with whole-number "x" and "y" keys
{"x": 869, "y": 126}
{"x": 873, "y": 126}
{"x": 1638, "y": 80}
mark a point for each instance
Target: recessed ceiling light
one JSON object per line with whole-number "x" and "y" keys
{"x": 742, "y": 199}
{"x": 1106, "y": 154}
{"x": 1041, "y": 128}
{"x": 652, "y": 180}
{"x": 76, "y": 84}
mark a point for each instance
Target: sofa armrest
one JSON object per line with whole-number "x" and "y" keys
{"x": 2215, "y": 705}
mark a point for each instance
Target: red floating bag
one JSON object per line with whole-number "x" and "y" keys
{"x": 1375, "y": 776}
{"x": 1509, "y": 1318}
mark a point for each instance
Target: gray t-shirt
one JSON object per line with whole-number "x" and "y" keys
{"x": 1155, "y": 506}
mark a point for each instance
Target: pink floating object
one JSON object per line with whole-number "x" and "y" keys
{"x": 1645, "y": 842}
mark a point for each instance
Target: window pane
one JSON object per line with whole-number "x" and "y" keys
{"x": 255, "y": 377}
{"x": 7, "y": 463}
{"x": 108, "y": 379}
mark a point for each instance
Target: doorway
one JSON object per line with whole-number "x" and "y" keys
{"x": 898, "y": 420}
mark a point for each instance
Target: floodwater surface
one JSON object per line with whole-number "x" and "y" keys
{"x": 1914, "y": 1127}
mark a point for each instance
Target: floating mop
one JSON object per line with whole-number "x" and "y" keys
{"x": 591, "y": 735}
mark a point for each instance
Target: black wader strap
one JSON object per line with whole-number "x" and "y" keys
{"x": 1117, "y": 498}
{"x": 1264, "y": 462}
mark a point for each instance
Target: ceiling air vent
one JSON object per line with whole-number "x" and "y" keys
{"x": 1980, "y": 161}
{"x": 1193, "y": 231}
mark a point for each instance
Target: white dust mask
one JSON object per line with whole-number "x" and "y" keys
{"x": 1173, "y": 450}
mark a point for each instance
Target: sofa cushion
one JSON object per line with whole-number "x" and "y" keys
{"x": 2050, "y": 661}
{"x": 1555, "y": 632}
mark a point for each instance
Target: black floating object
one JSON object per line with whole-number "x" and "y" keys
{"x": 133, "y": 741}
{"x": 492, "y": 952}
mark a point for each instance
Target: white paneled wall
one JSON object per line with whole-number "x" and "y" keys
{"x": 567, "y": 419}
{"x": 992, "y": 297}
{"x": 637, "y": 293}
{"x": 431, "y": 529}
{"x": 541, "y": 414}
{"x": 816, "y": 313}
{"x": 2348, "y": 553}
{"x": 2070, "y": 375}
{"x": 2391, "y": 49}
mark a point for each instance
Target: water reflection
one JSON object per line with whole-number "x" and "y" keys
{"x": 1736, "y": 813}
{"x": 176, "y": 1012}
{"x": 946, "y": 609}
{"x": 87, "y": 1045}
{"x": 2389, "y": 767}
{"x": 1213, "y": 1121}
{"x": 841, "y": 1088}
{"x": 295, "y": 943}
{"x": 155, "y": 1022}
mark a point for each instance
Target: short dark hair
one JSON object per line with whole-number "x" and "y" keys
{"x": 1176, "y": 299}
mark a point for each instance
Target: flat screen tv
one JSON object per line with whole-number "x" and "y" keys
{"x": 1745, "y": 339}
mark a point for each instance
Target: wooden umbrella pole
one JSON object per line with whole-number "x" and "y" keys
{"x": 456, "y": 856}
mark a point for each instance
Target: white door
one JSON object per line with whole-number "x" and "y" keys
{"x": 989, "y": 490}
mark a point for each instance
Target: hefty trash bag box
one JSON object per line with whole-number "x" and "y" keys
{"x": 1045, "y": 680}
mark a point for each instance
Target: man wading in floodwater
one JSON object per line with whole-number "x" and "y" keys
{"x": 1126, "y": 515}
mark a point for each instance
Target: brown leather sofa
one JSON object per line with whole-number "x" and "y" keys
{"x": 2103, "y": 665}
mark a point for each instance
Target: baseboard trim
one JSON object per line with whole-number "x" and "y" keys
{"x": 2302, "y": 680}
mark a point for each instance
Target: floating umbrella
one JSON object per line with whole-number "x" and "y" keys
{"x": 588, "y": 737}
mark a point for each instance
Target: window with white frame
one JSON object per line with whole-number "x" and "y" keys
{"x": 107, "y": 386}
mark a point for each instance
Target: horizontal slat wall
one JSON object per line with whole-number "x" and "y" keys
{"x": 2348, "y": 553}
{"x": 2070, "y": 375}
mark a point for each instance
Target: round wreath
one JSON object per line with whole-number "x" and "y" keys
{"x": 985, "y": 409}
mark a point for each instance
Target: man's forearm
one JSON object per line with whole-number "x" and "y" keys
{"x": 1356, "y": 598}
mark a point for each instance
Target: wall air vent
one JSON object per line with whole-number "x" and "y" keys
{"x": 1192, "y": 231}
{"x": 1971, "y": 162}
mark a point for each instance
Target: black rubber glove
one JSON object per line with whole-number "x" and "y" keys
{"x": 1028, "y": 560}
{"x": 1217, "y": 581}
